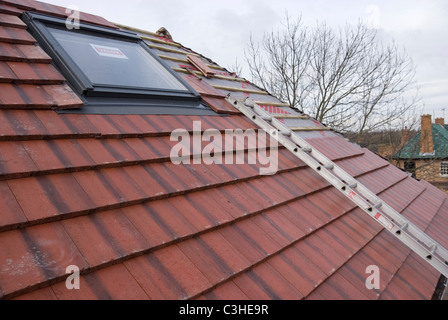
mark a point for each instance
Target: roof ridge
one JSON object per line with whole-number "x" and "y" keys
{"x": 442, "y": 130}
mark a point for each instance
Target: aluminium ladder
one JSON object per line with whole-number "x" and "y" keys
{"x": 418, "y": 241}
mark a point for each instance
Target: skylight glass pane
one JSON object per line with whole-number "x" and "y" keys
{"x": 113, "y": 62}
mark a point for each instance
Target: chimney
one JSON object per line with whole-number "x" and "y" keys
{"x": 427, "y": 142}
{"x": 440, "y": 121}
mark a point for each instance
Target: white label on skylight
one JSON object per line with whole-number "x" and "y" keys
{"x": 108, "y": 51}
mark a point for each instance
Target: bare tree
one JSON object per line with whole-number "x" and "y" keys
{"x": 237, "y": 68}
{"x": 280, "y": 66}
{"x": 345, "y": 79}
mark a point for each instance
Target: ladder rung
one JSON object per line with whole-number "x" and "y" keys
{"x": 267, "y": 118}
{"x": 307, "y": 150}
{"x": 291, "y": 116}
{"x": 378, "y": 205}
{"x": 274, "y": 104}
{"x": 309, "y": 129}
{"x": 235, "y": 89}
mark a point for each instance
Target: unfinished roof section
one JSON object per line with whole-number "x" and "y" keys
{"x": 100, "y": 192}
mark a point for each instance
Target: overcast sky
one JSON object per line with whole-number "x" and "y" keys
{"x": 220, "y": 30}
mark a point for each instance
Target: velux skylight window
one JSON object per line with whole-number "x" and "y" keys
{"x": 114, "y": 72}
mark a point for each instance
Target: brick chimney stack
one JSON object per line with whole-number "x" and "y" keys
{"x": 440, "y": 121}
{"x": 427, "y": 141}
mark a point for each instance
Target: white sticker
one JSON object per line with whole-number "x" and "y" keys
{"x": 384, "y": 221}
{"x": 108, "y": 51}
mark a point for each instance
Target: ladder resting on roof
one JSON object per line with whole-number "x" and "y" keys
{"x": 418, "y": 241}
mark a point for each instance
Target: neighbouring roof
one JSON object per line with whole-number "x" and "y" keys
{"x": 411, "y": 150}
{"x": 100, "y": 192}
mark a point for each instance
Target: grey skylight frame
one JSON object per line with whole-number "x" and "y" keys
{"x": 110, "y": 99}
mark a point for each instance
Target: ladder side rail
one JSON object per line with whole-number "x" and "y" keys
{"x": 406, "y": 232}
{"x": 360, "y": 188}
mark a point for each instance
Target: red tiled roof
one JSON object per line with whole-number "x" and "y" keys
{"x": 100, "y": 192}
